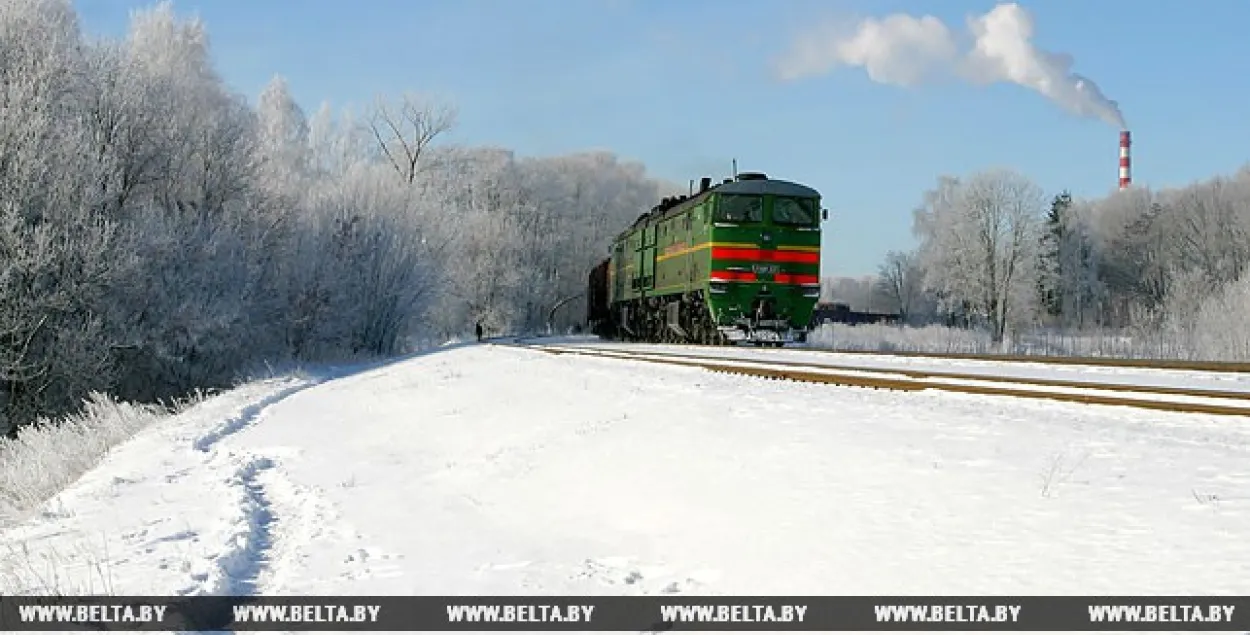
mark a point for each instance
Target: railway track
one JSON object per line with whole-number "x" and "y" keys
{"x": 1151, "y": 397}
{"x": 1104, "y": 362}
{"x": 1053, "y": 360}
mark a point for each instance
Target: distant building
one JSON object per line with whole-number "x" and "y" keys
{"x": 839, "y": 313}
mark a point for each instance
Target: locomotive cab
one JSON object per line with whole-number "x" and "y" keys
{"x": 766, "y": 260}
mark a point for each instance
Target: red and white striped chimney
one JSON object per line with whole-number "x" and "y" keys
{"x": 1126, "y": 162}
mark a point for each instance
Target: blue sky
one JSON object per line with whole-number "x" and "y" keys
{"x": 684, "y": 86}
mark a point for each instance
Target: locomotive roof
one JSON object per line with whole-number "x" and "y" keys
{"x": 754, "y": 186}
{"x": 766, "y": 186}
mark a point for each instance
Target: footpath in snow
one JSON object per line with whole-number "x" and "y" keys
{"x": 484, "y": 469}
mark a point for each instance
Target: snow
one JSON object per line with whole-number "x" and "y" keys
{"x": 484, "y": 469}
{"x": 989, "y": 369}
{"x": 163, "y": 514}
{"x": 1231, "y": 399}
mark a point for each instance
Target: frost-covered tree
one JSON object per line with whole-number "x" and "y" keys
{"x": 55, "y": 252}
{"x": 1068, "y": 285}
{"x": 1212, "y": 228}
{"x": 1137, "y": 256}
{"x": 979, "y": 242}
{"x": 284, "y": 144}
{"x": 159, "y": 234}
{"x": 1140, "y": 262}
{"x": 1051, "y": 264}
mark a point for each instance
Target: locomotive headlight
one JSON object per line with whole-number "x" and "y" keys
{"x": 811, "y": 291}
{"x": 718, "y": 287}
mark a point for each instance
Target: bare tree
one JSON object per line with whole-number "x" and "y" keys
{"x": 901, "y": 280}
{"x": 404, "y": 131}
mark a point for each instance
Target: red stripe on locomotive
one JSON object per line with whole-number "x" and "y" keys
{"x": 764, "y": 255}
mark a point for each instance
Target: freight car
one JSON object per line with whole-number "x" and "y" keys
{"x": 841, "y": 313}
{"x": 734, "y": 262}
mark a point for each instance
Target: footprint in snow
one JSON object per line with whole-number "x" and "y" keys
{"x": 361, "y": 559}
{"x": 647, "y": 579}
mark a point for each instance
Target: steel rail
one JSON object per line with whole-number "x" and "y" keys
{"x": 914, "y": 380}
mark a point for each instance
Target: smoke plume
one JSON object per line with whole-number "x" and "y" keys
{"x": 904, "y": 50}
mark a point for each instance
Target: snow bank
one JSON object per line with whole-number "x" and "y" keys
{"x": 879, "y": 337}
{"x": 944, "y": 339}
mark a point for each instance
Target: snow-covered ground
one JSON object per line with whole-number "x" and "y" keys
{"x": 486, "y": 469}
{"x": 1129, "y": 376}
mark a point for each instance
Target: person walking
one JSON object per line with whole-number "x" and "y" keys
{"x": 479, "y": 331}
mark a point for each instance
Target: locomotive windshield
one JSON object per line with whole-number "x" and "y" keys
{"x": 740, "y": 208}
{"x": 794, "y": 211}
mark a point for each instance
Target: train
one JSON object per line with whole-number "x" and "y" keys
{"x": 735, "y": 262}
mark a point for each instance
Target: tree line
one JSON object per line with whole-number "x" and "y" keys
{"x": 996, "y": 253}
{"x": 160, "y": 234}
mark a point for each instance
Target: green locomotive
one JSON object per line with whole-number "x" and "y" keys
{"x": 735, "y": 262}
